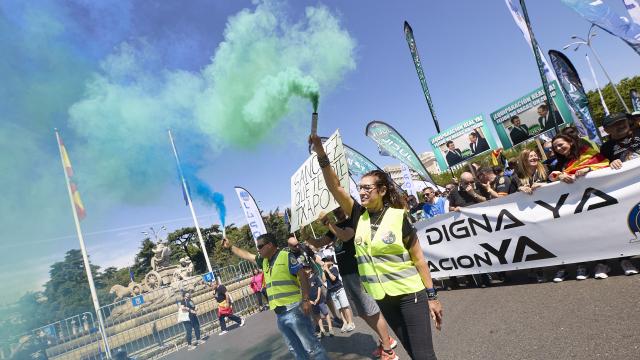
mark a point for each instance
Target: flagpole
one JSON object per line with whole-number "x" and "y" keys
{"x": 536, "y": 53}
{"x": 595, "y": 80}
{"x": 85, "y": 257}
{"x": 193, "y": 212}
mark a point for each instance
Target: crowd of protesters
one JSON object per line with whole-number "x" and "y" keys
{"x": 370, "y": 263}
{"x": 568, "y": 157}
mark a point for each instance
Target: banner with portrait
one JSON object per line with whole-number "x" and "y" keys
{"x": 529, "y": 116}
{"x": 462, "y": 142}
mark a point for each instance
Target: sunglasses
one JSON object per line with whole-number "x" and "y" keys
{"x": 260, "y": 246}
{"x": 366, "y": 188}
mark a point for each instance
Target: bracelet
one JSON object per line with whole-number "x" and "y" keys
{"x": 432, "y": 294}
{"x": 324, "y": 161}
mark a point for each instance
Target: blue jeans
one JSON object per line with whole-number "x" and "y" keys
{"x": 298, "y": 333}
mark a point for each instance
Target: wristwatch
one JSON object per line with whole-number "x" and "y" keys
{"x": 432, "y": 294}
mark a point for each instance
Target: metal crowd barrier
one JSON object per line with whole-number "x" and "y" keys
{"x": 149, "y": 330}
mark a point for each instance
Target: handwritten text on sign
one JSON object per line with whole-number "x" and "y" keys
{"x": 309, "y": 193}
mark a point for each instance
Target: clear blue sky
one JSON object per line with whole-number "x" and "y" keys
{"x": 475, "y": 60}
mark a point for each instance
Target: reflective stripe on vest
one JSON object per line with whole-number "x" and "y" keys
{"x": 282, "y": 287}
{"x": 385, "y": 266}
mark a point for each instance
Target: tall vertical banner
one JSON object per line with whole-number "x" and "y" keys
{"x": 516, "y": 13}
{"x": 358, "y": 163}
{"x": 407, "y": 180}
{"x": 392, "y": 142}
{"x": 251, "y": 212}
{"x": 309, "y": 192}
{"x": 601, "y": 15}
{"x": 633, "y": 8}
{"x": 408, "y": 33}
{"x": 574, "y": 93}
{"x": 525, "y": 117}
{"x": 635, "y": 100}
{"x": 461, "y": 142}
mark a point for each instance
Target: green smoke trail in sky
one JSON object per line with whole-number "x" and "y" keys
{"x": 121, "y": 104}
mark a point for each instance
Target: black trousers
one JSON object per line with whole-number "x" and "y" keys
{"x": 192, "y": 324}
{"x": 408, "y": 316}
{"x": 259, "y": 296}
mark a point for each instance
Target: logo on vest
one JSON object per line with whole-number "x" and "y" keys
{"x": 358, "y": 240}
{"x": 389, "y": 238}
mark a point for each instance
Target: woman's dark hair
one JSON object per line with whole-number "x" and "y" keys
{"x": 393, "y": 197}
{"x": 574, "y": 150}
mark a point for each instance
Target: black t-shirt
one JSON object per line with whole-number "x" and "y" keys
{"x": 408, "y": 231}
{"x": 333, "y": 286}
{"x": 505, "y": 184}
{"x": 625, "y": 149}
{"x": 221, "y": 293}
{"x": 461, "y": 198}
{"x": 314, "y": 284}
{"x": 345, "y": 250}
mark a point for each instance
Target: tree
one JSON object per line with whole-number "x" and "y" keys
{"x": 611, "y": 99}
{"x": 142, "y": 261}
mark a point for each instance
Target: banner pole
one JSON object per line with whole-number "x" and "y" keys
{"x": 193, "y": 212}
{"x": 595, "y": 80}
{"x": 536, "y": 53}
{"x": 85, "y": 257}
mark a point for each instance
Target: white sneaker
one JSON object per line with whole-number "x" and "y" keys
{"x": 560, "y": 275}
{"x": 601, "y": 271}
{"x": 344, "y": 328}
{"x": 351, "y": 327}
{"x": 628, "y": 267}
{"x": 242, "y": 322}
{"x": 222, "y": 332}
{"x": 581, "y": 273}
{"x": 191, "y": 347}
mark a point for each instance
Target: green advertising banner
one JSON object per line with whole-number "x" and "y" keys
{"x": 392, "y": 142}
{"x": 528, "y": 116}
{"x": 462, "y": 141}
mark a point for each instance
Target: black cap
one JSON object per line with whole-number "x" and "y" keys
{"x": 614, "y": 118}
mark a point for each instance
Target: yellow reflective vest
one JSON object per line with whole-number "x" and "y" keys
{"x": 385, "y": 266}
{"x": 282, "y": 287}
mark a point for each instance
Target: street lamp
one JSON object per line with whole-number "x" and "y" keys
{"x": 153, "y": 231}
{"x": 581, "y": 41}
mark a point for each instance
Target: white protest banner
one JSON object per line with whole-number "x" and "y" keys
{"x": 309, "y": 193}
{"x": 251, "y": 212}
{"x": 597, "y": 217}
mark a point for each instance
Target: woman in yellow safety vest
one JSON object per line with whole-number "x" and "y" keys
{"x": 391, "y": 263}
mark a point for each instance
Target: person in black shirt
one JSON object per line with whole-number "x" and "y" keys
{"x": 341, "y": 235}
{"x": 469, "y": 192}
{"x": 496, "y": 186}
{"x": 409, "y": 302}
{"x": 623, "y": 143}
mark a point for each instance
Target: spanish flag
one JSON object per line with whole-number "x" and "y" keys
{"x": 66, "y": 163}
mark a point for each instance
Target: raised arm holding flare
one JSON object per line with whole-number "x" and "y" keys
{"x": 390, "y": 260}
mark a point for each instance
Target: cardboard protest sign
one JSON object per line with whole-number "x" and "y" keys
{"x": 309, "y": 192}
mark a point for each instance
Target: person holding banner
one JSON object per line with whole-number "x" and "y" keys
{"x": 531, "y": 173}
{"x": 575, "y": 159}
{"x": 391, "y": 263}
{"x": 288, "y": 293}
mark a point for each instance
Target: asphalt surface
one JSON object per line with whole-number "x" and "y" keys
{"x": 590, "y": 319}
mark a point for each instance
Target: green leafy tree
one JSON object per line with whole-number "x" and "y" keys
{"x": 611, "y": 99}
{"x": 142, "y": 261}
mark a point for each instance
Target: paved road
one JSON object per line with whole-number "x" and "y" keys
{"x": 591, "y": 319}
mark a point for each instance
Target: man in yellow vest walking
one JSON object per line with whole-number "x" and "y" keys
{"x": 288, "y": 294}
